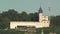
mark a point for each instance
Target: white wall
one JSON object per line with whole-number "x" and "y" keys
{"x": 36, "y": 24}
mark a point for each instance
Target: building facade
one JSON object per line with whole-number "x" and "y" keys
{"x": 43, "y": 22}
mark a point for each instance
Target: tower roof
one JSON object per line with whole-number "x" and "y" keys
{"x": 40, "y": 10}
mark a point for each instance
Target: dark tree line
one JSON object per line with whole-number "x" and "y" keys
{"x": 13, "y": 15}
{"x": 55, "y": 20}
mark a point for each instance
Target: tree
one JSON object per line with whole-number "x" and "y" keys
{"x": 55, "y": 20}
{"x": 23, "y": 16}
{"x": 12, "y": 14}
{"x": 35, "y": 17}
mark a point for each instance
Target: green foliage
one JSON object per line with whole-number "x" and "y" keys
{"x": 55, "y": 20}
{"x": 13, "y": 15}
{"x": 10, "y": 32}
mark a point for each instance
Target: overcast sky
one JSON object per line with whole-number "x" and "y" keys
{"x": 31, "y": 6}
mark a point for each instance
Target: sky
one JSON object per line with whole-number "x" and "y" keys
{"x": 31, "y": 6}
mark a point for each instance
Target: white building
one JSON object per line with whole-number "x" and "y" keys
{"x": 43, "y": 22}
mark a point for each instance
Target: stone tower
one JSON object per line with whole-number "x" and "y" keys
{"x": 40, "y": 14}
{"x": 43, "y": 19}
